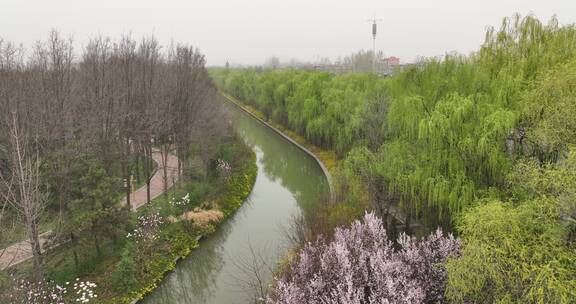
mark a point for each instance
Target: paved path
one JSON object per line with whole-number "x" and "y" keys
{"x": 22, "y": 251}
{"x": 138, "y": 197}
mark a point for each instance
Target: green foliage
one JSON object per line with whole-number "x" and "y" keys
{"x": 174, "y": 242}
{"x": 482, "y": 141}
{"x": 242, "y": 179}
{"x": 93, "y": 217}
{"x": 91, "y": 193}
{"x": 450, "y": 118}
{"x": 362, "y": 169}
{"x": 456, "y": 114}
{"x": 522, "y": 251}
{"x": 90, "y": 220}
{"x": 550, "y": 113}
{"x": 513, "y": 255}
{"x": 177, "y": 239}
{"x": 123, "y": 277}
{"x": 330, "y": 111}
{"x": 4, "y": 278}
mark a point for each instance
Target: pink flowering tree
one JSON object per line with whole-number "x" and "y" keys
{"x": 361, "y": 265}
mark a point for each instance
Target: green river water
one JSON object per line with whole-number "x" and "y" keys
{"x": 288, "y": 181}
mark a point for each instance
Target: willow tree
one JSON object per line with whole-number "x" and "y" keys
{"x": 457, "y": 118}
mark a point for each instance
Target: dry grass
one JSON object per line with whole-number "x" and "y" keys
{"x": 203, "y": 218}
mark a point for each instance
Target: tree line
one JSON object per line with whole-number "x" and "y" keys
{"x": 77, "y": 127}
{"x": 482, "y": 145}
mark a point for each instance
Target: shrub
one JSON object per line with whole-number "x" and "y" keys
{"x": 123, "y": 276}
{"x": 521, "y": 251}
{"x": 361, "y": 265}
{"x": 48, "y": 292}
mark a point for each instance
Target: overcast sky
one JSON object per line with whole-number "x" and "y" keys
{"x": 249, "y": 31}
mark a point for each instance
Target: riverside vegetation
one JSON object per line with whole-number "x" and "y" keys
{"x": 481, "y": 145}
{"x": 77, "y": 135}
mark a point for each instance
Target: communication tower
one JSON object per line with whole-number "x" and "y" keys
{"x": 374, "y": 30}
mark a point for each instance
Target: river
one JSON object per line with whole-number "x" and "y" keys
{"x": 288, "y": 182}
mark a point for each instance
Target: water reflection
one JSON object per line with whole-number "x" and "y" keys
{"x": 198, "y": 285}
{"x": 284, "y": 162}
{"x": 288, "y": 180}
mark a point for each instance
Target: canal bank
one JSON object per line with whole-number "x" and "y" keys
{"x": 289, "y": 181}
{"x": 316, "y": 155}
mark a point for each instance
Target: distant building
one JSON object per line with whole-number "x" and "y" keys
{"x": 359, "y": 64}
{"x": 393, "y": 61}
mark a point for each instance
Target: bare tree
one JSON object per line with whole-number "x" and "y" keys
{"x": 149, "y": 60}
{"x": 3, "y": 208}
{"x": 51, "y": 84}
{"x": 126, "y": 55}
{"x": 22, "y": 188}
{"x": 11, "y": 77}
{"x": 187, "y": 112}
{"x": 97, "y": 95}
{"x": 199, "y": 120}
{"x": 253, "y": 274}
{"x": 116, "y": 104}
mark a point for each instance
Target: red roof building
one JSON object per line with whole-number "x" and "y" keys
{"x": 393, "y": 60}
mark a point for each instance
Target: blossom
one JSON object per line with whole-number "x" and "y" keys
{"x": 184, "y": 201}
{"x": 361, "y": 265}
{"x": 48, "y": 292}
{"x": 223, "y": 168}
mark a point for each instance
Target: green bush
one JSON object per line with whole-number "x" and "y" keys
{"x": 513, "y": 254}
{"x": 123, "y": 277}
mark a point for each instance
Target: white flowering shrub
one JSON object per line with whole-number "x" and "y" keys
{"x": 147, "y": 229}
{"x": 182, "y": 202}
{"x": 144, "y": 237}
{"x": 84, "y": 291}
{"x": 224, "y": 169}
{"x": 361, "y": 266}
{"x": 25, "y": 292}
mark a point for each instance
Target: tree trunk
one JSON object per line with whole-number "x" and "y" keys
{"x": 179, "y": 168}
{"x": 24, "y": 192}
{"x": 62, "y": 199}
{"x": 148, "y": 168}
{"x": 73, "y": 241}
{"x": 126, "y": 170}
{"x": 407, "y": 221}
{"x": 36, "y": 249}
{"x": 165, "y": 151}
{"x": 138, "y": 156}
{"x": 387, "y": 215}
{"x": 96, "y": 240}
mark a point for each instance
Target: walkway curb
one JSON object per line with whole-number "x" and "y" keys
{"x": 237, "y": 103}
{"x": 393, "y": 210}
